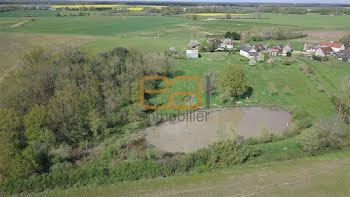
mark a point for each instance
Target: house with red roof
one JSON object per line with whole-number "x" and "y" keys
{"x": 324, "y": 51}
{"x": 336, "y": 46}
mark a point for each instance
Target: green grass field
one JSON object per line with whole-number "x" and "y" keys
{"x": 143, "y": 44}
{"x": 326, "y": 175}
{"x": 95, "y": 25}
{"x": 142, "y": 33}
{"x": 28, "y": 13}
{"x": 309, "y": 21}
{"x": 303, "y": 91}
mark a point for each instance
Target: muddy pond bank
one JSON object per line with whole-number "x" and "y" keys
{"x": 188, "y": 136}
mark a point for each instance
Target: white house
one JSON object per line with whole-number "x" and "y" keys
{"x": 192, "y": 54}
{"x": 324, "y": 51}
{"x": 249, "y": 52}
{"x": 336, "y": 46}
{"x": 286, "y": 49}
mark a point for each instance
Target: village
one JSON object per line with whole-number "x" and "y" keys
{"x": 324, "y": 50}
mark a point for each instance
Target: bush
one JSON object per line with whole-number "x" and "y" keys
{"x": 128, "y": 171}
{"x": 316, "y": 58}
{"x": 331, "y": 134}
{"x": 310, "y": 140}
{"x": 301, "y": 120}
{"x": 286, "y": 62}
{"x": 62, "y": 153}
{"x": 251, "y": 141}
{"x": 223, "y": 154}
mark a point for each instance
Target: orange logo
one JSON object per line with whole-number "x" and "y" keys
{"x": 172, "y": 95}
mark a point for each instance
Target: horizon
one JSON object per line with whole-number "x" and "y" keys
{"x": 237, "y": 1}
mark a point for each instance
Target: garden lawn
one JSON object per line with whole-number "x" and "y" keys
{"x": 302, "y": 91}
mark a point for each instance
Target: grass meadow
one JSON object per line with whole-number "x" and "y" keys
{"x": 142, "y": 33}
{"x": 95, "y": 25}
{"x": 309, "y": 21}
{"x": 302, "y": 90}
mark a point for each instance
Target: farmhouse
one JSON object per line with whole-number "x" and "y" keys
{"x": 274, "y": 51}
{"x": 310, "y": 48}
{"x": 192, "y": 54}
{"x": 249, "y": 52}
{"x": 259, "y": 47}
{"x": 228, "y": 44}
{"x": 324, "y": 51}
{"x": 286, "y": 49}
{"x": 336, "y": 46}
{"x": 343, "y": 55}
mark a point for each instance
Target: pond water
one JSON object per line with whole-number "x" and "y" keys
{"x": 194, "y": 133}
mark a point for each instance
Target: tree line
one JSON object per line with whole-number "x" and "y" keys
{"x": 70, "y": 99}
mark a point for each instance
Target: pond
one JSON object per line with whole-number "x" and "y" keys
{"x": 193, "y": 133}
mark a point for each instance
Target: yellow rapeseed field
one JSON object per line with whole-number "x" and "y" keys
{"x": 135, "y": 9}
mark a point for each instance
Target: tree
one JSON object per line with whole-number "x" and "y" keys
{"x": 7, "y": 150}
{"x": 11, "y": 123}
{"x": 233, "y": 35}
{"x": 24, "y": 163}
{"x": 122, "y": 53}
{"x": 193, "y": 43}
{"x": 233, "y": 81}
{"x": 36, "y": 123}
{"x": 228, "y": 16}
{"x": 342, "y": 101}
{"x": 289, "y": 54}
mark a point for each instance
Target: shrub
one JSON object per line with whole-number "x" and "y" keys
{"x": 222, "y": 154}
{"x": 331, "y": 133}
{"x": 62, "y": 153}
{"x": 316, "y": 58}
{"x": 289, "y": 54}
{"x": 225, "y": 97}
{"x": 251, "y": 141}
{"x": 310, "y": 140}
{"x": 286, "y": 62}
{"x": 301, "y": 120}
{"x": 128, "y": 171}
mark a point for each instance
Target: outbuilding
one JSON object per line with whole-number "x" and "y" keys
{"x": 192, "y": 54}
